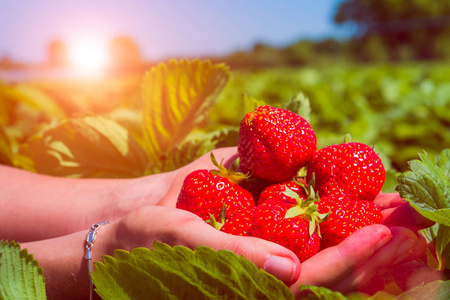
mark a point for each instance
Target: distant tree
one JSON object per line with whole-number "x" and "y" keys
{"x": 300, "y": 53}
{"x": 57, "y": 53}
{"x": 125, "y": 52}
{"x": 6, "y": 62}
{"x": 404, "y": 27}
{"x": 264, "y": 55}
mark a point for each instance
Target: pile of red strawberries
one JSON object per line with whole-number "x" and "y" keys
{"x": 287, "y": 191}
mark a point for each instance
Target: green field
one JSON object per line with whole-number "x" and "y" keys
{"x": 401, "y": 110}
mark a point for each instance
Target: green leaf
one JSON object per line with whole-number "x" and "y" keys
{"x": 90, "y": 146}
{"x": 33, "y": 98}
{"x": 300, "y": 105}
{"x": 427, "y": 186}
{"x": 194, "y": 146}
{"x": 38, "y": 100}
{"x": 20, "y": 276}
{"x": 180, "y": 273}
{"x": 437, "y": 290}
{"x": 176, "y": 98}
{"x": 250, "y": 104}
{"x": 6, "y": 154}
{"x": 311, "y": 292}
{"x": 180, "y": 155}
{"x": 439, "y": 236}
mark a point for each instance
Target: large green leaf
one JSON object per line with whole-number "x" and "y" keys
{"x": 176, "y": 98}
{"x": 180, "y": 273}
{"x": 427, "y": 186}
{"x": 90, "y": 146}
{"x": 20, "y": 276}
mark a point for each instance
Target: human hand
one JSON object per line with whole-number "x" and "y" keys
{"x": 397, "y": 212}
{"x": 362, "y": 260}
{"x": 173, "y": 226}
{"x": 228, "y": 155}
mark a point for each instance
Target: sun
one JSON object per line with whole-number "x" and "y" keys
{"x": 89, "y": 56}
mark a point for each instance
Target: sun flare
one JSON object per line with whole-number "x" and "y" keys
{"x": 89, "y": 56}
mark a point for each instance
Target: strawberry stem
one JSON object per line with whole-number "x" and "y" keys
{"x": 347, "y": 138}
{"x": 230, "y": 174}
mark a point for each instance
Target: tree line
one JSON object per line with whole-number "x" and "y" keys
{"x": 384, "y": 31}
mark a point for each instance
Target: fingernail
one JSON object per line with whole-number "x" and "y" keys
{"x": 282, "y": 268}
{"x": 383, "y": 241}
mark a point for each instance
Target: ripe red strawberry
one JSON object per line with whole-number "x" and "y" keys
{"x": 345, "y": 218}
{"x": 205, "y": 192}
{"x": 239, "y": 223}
{"x": 347, "y": 171}
{"x": 277, "y": 191}
{"x": 274, "y": 143}
{"x": 290, "y": 225}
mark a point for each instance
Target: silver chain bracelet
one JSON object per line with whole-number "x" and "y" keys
{"x": 90, "y": 238}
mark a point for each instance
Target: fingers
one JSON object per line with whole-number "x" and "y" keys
{"x": 388, "y": 200}
{"x": 331, "y": 265}
{"x": 404, "y": 246}
{"x": 411, "y": 274}
{"x": 271, "y": 257}
{"x": 397, "y": 212}
{"x": 179, "y": 227}
{"x": 406, "y": 216}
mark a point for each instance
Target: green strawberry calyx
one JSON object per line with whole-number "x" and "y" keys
{"x": 230, "y": 173}
{"x": 215, "y": 223}
{"x": 307, "y": 208}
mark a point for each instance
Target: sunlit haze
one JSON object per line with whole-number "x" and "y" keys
{"x": 88, "y": 56}
{"x": 161, "y": 29}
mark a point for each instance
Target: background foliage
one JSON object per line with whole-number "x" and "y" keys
{"x": 133, "y": 126}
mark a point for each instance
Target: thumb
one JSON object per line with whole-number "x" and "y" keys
{"x": 331, "y": 265}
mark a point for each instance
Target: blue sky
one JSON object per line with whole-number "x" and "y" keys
{"x": 163, "y": 29}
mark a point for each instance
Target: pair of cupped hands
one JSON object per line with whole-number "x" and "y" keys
{"x": 362, "y": 262}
